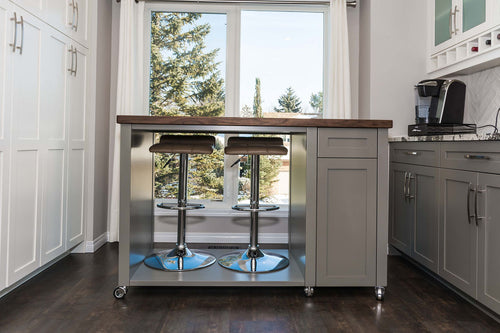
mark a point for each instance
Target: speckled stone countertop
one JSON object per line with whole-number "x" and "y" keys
{"x": 455, "y": 137}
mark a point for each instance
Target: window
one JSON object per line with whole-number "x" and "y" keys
{"x": 232, "y": 60}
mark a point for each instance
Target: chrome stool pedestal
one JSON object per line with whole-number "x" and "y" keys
{"x": 253, "y": 259}
{"x": 181, "y": 258}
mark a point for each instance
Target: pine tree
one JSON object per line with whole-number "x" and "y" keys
{"x": 257, "y": 100}
{"x": 289, "y": 102}
{"x": 316, "y": 102}
{"x": 185, "y": 81}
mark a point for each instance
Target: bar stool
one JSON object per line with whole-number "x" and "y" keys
{"x": 253, "y": 259}
{"x": 181, "y": 258}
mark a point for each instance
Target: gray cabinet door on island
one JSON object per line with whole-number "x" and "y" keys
{"x": 347, "y": 222}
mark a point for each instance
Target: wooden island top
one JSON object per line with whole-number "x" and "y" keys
{"x": 240, "y": 121}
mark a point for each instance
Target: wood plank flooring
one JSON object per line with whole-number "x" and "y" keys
{"x": 75, "y": 295}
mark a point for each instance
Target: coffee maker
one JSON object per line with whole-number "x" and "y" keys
{"x": 439, "y": 108}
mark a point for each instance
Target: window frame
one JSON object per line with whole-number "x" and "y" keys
{"x": 232, "y": 71}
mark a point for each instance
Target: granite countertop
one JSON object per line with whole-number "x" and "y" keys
{"x": 451, "y": 137}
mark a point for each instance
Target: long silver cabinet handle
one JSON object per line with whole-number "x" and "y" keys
{"x": 477, "y": 157}
{"x": 409, "y": 186}
{"x": 13, "y": 44}
{"x": 475, "y": 205}
{"x": 450, "y": 29}
{"x": 20, "y": 48}
{"x": 412, "y": 153}
{"x": 70, "y": 50}
{"x": 404, "y": 186}
{"x": 77, "y": 17}
{"x": 455, "y": 29}
{"x": 72, "y": 5}
{"x": 470, "y": 189}
{"x": 76, "y": 61}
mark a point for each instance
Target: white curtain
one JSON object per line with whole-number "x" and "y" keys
{"x": 339, "y": 82}
{"x": 129, "y": 96}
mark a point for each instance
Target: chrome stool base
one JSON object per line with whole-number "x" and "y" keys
{"x": 253, "y": 261}
{"x": 172, "y": 260}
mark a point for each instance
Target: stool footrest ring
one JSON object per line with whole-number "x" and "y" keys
{"x": 174, "y": 206}
{"x": 262, "y": 208}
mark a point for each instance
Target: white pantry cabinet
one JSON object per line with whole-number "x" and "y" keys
{"x": 42, "y": 143}
{"x": 68, "y": 16}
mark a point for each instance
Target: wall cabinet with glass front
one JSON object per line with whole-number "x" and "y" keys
{"x": 459, "y": 31}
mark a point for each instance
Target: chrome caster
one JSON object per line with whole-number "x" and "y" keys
{"x": 379, "y": 293}
{"x": 309, "y": 291}
{"x": 120, "y": 292}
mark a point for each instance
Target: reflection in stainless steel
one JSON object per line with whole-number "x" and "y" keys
{"x": 173, "y": 260}
{"x": 249, "y": 261}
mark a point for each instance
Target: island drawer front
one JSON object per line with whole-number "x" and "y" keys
{"x": 419, "y": 153}
{"x": 477, "y": 156}
{"x": 347, "y": 142}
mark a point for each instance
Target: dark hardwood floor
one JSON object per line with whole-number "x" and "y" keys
{"x": 75, "y": 295}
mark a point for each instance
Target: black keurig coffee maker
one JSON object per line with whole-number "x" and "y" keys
{"x": 439, "y": 108}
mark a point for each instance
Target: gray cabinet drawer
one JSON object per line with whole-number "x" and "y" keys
{"x": 347, "y": 142}
{"x": 479, "y": 156}
{"x": 419, "y": 153}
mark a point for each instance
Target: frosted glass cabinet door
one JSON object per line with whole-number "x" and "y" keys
{"x": 442, "y": 12}
{"x": 473, "y": 13}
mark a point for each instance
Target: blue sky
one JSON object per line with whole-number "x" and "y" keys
{"x": 283, "y": 49}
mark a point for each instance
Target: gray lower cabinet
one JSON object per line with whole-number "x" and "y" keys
{"x": 458, "y": 241}
{"x": 488, "y": 213}
{"x": 402, "y": 210}
{"x": 461, "y": 197}
{"x": 346, "y": 222}
{"x": 414, "y": 212}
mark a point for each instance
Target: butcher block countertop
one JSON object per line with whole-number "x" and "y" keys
{"x": 240, "y": 121}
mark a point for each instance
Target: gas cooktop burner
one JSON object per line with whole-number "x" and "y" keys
{"x": 441, "y": 129}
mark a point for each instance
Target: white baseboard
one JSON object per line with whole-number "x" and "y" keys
{"x": 217, "y": 238}
{"x": 94, "y": 245}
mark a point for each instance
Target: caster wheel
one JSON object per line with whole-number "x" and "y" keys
{"x": 120, "y": 292}
{"x": 309, "y": 291}
{"x": 379, "y": 293}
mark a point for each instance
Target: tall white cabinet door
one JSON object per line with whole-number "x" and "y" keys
{"x": 489, "y": 245}
{"x": 54, "y": 78}
{"x": 81, "y": 21}
{"x": 70, "y": 17}
{"x": 76, "y": 149}
{"x": 5, "y": 29}
{"x": 25, "y": 199}
{"x": 458, "y": 232}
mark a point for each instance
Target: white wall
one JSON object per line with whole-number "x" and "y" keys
{"x": 392, "y": 59}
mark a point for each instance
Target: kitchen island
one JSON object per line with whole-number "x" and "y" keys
{"x": 338, "y": 215}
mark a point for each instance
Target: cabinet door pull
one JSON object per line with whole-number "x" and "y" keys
{"x": 475, "y": 205}
{"x": 13, "y": 44}
{"x": 477, "y": 157}
{"x": 76, "y": 61}
{"x": 77, "y": 16}
{"x": 450, "y": 29}
{"x": 72, "y": 5}
{"x": 20, "y": 48}
{"x": 70, "y": 70}
{"x": 404, "y": 186}
{"x": 412, "y": 153}
{"x": 455, "y": 30}
{"x": 471, "y": 189}
{"x": 409, "y": 187}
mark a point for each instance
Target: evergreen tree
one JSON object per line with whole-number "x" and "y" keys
{"x": 185, "y": 79}
{"x": 246, "y": 111}
{"x": 316, "y": 102}
{"x": 257, "y": 100}
{"x": 289, "y": 102}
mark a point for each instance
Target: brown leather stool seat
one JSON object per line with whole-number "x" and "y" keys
{"x": 184, "y": 144}
{"x": 254, "y": 260}
{"x": 181, "y": 258}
